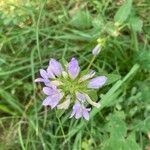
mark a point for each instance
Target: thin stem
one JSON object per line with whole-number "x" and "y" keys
{"x": 60, "y": 126}
{"x": 37, "y": 32}
{"x": 45, "y": 116}
{"x": 89, "y": 66}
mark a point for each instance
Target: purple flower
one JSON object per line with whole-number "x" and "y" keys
{"x": 80, "y": 111}
{"x": 55, "y": 67}
{"x": 73, "y": 68}
{"x": 63, "y": 87}
{"x": 96, "y": 50}
{"x": 54, "y": 97}
{"x": 45, "y": 77}
{"x": 97, "y": 82}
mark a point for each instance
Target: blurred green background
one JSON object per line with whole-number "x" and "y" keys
{"x": 33, "y": 31}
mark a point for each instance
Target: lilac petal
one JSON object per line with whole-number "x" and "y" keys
{"x": 87, "y": 76}
{"x": 80, "y": 96}
{"x": 50, "y": 73}
{"x": 56, "y": 67}
{"x": 47, "y": 101}
{"x": 76, "y": 106}
{"x": 43, "y": 74}
{"x": 51, "y": 101}
{"x": 46, "y": 81}
{"x": 55, "y": 99}
{"x": 96, "y": 50}
{"x": 73, "y": 68}
{"x": 78, "y": 113}
{"x": 97, "y": 82}
{"x": 86, "y": 113}
{"x": 49, "y": 90}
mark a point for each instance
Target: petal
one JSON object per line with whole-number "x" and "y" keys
{"x": 86, "y": 114}
{"x": 96, "y": 50}
{"x": 46, "y": 81}
{"x": 56, "y": 67}
{"x": 43, "y": 74}
{"x": 47, "y": 101}
{"x": 97, "y": 82}
{"x": 65, "y": 104}
{"x": 78, "y": 113}
{"x": 50, "y": 73}
{"x": 76, "y": 106}
{"x": 53, "y": 100}
{"x": 39, "y": 80}
{"x": 56, "y": 98}
{"x": 91, "y": 102}
{"x": 87, "y": 76}
{"x": 80, "y": 96}
{"x": 73, "y": 68}
{"x": 49, "y": 90}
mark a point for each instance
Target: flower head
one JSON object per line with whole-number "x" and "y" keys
{"x": 68, "y": 86}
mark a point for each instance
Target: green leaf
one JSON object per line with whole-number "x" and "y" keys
{"x": 123, "y": 12}
{"x": 60, "y": 112}
{"x": 11, "y": 101}
{"x": 93, "y": 95}
{"x": 131, "y": 142}
{"x": 143, "y": 58}
{"x": 118, "y": 135}
{"x": 5, "y": 109}
{"x": 81, "y": 20}
{"x": 117, "y": 126}
{"x": 136, "y": 24}
{"x": 112, "y": 78}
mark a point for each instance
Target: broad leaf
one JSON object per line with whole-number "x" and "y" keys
{"x": 123, "y": 12}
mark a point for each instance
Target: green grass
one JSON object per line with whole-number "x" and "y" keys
{"x": 65, "y": 29}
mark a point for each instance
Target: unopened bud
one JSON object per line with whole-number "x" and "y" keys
{"x": 96, "y": 50}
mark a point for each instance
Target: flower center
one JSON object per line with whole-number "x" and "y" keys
{"x": 71, "y": 86}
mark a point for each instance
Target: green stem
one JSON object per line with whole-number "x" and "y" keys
{"x": 61, "y": 127}
{"x": 89, "y": 66}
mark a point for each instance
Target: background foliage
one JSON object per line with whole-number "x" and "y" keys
{"x": 33, "y": 31}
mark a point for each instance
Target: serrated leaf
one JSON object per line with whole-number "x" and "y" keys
{"x": 123, "y": 12}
